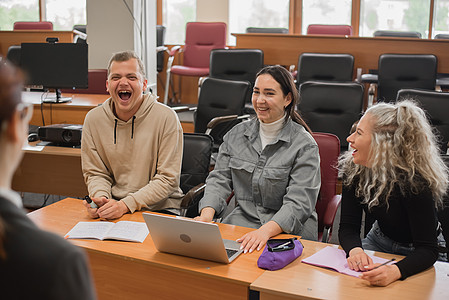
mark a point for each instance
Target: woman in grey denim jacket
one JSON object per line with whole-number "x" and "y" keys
{"x": 271, "y": 163}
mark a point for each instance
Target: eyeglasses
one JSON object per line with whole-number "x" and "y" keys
{"x": 25, "y": 110}
{"x": 278, "y": 245}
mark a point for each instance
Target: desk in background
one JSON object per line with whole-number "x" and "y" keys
{"x": 284, "y": 49}
{"x": 17, "y": 37}
{"x": 54, "y": 171}
{"x": 302, "y": 281}
{"x": 125, "y": 270}
{"x": 72, "y": 112}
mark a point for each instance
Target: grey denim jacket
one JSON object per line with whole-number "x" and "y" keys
{"x": 279, "y": 183}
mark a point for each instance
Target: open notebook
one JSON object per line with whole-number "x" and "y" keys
{"x": 335, "y": 259}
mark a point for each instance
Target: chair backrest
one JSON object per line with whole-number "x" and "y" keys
{"x": 400, "y": 71}
{"x": 329, "y": 29}
{"x": 33, "y": 25}
{"x": 195, "y": 165}
{"x": 195, "y": 160}
{"x": 219, "y": 97}
{"x": 436, "y": 106}
{"x": 236, "y": 64}
{"x": 160, "y": 38}
{"x": 267, "y": 30}
{"x": 331, "y": 107}
{"x": 81, "y": 28}
{"x": 442, "y": 36}
{"x": 201, "y": 38}
{"x": 329, "y": 148}
{"x": 403, "y": 34}
{"x": 96, "y": 81}
{"x": 13, "y": 54}
{"x": 324, "y": 67}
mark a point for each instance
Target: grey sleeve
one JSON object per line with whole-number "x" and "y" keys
{"x": 219, "y": 182}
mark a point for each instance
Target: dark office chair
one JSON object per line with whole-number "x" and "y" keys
{"x": 80, "y": 34}
{"x": 329, "y": 29}
{"x": 13, "y": 55}
{"x": 331, "y": 107}
{"x": 401, "y": 71}
{"x": 324, "y": 67}
{"x": 96, "y": 82}
{"x": 201, "y": 38}
{"x": 328, "y": 201}
{"x": 402, "y": 34}
{"x": 237, "y": 64}
{"x": 442, "y": 36}
{"x": 160, "y": 38}
{"x": 194, "y": 170}
{"x": 267, "y": 30}
{"x": 220, "y": 98}
{"x": 33, "y": 25}
{"x": 436, "y": 105}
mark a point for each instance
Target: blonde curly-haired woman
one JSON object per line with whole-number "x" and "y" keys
{"x": 396, "y": 174}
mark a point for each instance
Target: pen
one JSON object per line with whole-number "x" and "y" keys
{"x": 387, "y": 262}
{"x": 88, "y": 200}
{"x": 284, "y": 244}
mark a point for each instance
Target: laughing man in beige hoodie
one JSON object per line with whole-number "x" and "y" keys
{"x": 131, "y": 147}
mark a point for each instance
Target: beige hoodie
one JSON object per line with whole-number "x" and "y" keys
{"x": 138, "y": 161}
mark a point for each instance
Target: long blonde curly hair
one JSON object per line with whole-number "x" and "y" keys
{"x": 403, "y": 152}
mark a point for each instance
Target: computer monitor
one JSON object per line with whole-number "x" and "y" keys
{"x": 55, "y": 65}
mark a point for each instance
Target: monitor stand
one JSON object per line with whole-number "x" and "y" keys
{"x": 58, "y": 98}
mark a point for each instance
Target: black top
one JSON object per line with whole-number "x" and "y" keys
{"x": 39, "y": 264}
{"x": 408, "y": 219}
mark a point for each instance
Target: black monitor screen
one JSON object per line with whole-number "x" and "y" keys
{"x": 55, "y": 65}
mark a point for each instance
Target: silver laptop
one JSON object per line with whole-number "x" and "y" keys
{"x": 187, "y": 237}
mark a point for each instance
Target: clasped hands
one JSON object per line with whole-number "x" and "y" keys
{"x": 358, "y": 260}
{"x": 107, "y": 208}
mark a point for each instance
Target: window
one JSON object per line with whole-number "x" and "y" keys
{"x": 176, "y": 13}
{"x": 332, "y": 12}
{"x": 256, "y": 13}
{"x": 441, "y": 17}
{"x": 17, "y": 10}
{"x": 65, "y": 13}
{"x": 405, "y": 15}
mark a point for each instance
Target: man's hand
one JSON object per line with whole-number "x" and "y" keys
{"x": 93, "y": 212}
{"x": 112, "y": 209}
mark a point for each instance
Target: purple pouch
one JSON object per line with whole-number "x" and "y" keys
{"x": 278, "y": 253}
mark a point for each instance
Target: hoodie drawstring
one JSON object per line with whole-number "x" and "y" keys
{"x": 132, "y": 127}
{"x": 115, "y": 129}
{"x": 115, "y": 132}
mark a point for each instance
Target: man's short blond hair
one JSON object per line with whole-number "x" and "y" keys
{"x": 125, "y": 56}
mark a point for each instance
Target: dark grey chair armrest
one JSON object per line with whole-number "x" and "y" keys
{"x": 218, "y": 120}
{"x": 191, "y": 194}
{"x": 369, "y": 78}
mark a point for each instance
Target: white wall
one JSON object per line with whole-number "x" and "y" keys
{"x": 111, "y": 28}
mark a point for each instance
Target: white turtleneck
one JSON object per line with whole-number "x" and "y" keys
{"x": 269, "y": 131}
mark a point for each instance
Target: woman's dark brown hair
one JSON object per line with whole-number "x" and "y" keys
{"x": 10, "y": 97}
{"x": 287, "y": 83}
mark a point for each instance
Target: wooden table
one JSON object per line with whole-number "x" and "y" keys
{"x": 284, "y": 49}
{"x": 302, "y": 281}
{"x": 54, "y": 171}
{"x": 124, "y": 270}
{"x": 17, "y": 37}
{"x": 72, "y": 112}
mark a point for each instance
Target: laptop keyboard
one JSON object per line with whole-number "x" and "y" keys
{"x": 230, "y": 252}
